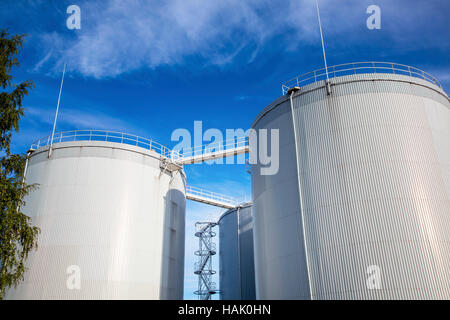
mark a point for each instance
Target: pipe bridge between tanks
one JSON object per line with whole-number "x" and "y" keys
{"x": 211, "y": 198}
{"x": 216, "y": 150}
{"x": 211, "y": 155}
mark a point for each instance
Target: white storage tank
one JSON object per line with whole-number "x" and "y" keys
{"x": 360, "y": 206}
{"x": 112, "y": 220}
{"x": 236, "y": 263}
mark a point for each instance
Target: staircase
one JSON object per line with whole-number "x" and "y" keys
{"x": 203, "y": 267}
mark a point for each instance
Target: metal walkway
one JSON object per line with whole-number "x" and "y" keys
{"x": 211, "y": 198}
{"x": 216, "y": 150}
{"x": 214, "y": 155}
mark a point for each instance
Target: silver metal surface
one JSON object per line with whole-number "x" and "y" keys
{"x": 237, "y": 273}
{"x": 375, "y": 170}
{"x": 105, "y": 210}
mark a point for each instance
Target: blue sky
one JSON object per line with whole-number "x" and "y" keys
{"x": 150, "y": 67}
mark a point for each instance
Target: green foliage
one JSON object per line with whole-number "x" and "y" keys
{"x": 17, "y": 236}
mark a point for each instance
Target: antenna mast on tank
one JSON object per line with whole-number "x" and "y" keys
{"x": 56, "y": 113}
{"x": 323, "y": 49}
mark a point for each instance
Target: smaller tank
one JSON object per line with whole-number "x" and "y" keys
{"x": 237, "y": 270}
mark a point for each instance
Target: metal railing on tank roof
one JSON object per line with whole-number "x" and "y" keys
{"x": 109, "y": 136}
{"x": 358, "y": 68}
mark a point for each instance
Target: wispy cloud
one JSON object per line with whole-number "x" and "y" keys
{"x": 120, "y": 36}
{"x": 38, "y": 123}
{"x": 131, "y": 34}
{"x": 76, "y": 119}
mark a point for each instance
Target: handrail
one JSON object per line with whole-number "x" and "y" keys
{"x": 109, "y": 136}
{"x": 213, "y": 147}
{"x": 131, "y": 139}
{"x": 211, "y": 195}
{"x": 358, "y": 68}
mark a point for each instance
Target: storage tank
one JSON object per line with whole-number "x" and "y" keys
{"x": 237, "y": 272}
{"x": 360, "y": 206}
{"x": 112, "y": 220}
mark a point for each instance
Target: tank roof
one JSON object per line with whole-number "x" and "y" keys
{"x": 242, "y": 205}
{"x": 106, "y": 136}
{"x": 357, "y": 68}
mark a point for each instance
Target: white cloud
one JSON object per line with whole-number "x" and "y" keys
{"x": 120, "y": 36}
{"x": 74, "y": 118}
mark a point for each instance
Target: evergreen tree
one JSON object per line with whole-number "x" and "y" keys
{"x": 17, "y": 236}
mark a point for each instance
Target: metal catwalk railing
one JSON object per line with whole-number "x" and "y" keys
{"x": 358, "y": 68}
{"x": 211, "y": 198}
{"x": 203, "y": 267}
{"x": 197, "y": 154}
{"x": 215, "y": 150}
{"x": 109, "y": 136}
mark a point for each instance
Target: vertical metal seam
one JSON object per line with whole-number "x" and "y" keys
{"x": 297, "y": 157}
{"x": 239, "y": 249}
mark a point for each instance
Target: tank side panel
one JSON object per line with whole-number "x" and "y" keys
{"x": 230, "y": 288}
{"x": 173, "y": 244}
{"x": 374, "y": 165}
{"x": 439, "y": 119}
{"x": 280, "y": 260}
{"x": 247, "y": 263}
{"x": 101, "y": 214}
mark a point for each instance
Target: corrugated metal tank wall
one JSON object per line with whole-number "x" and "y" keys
{"x": 375, "y": 177}
{"x": 237, "y": 273}
{"x": 104, "y": 208}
